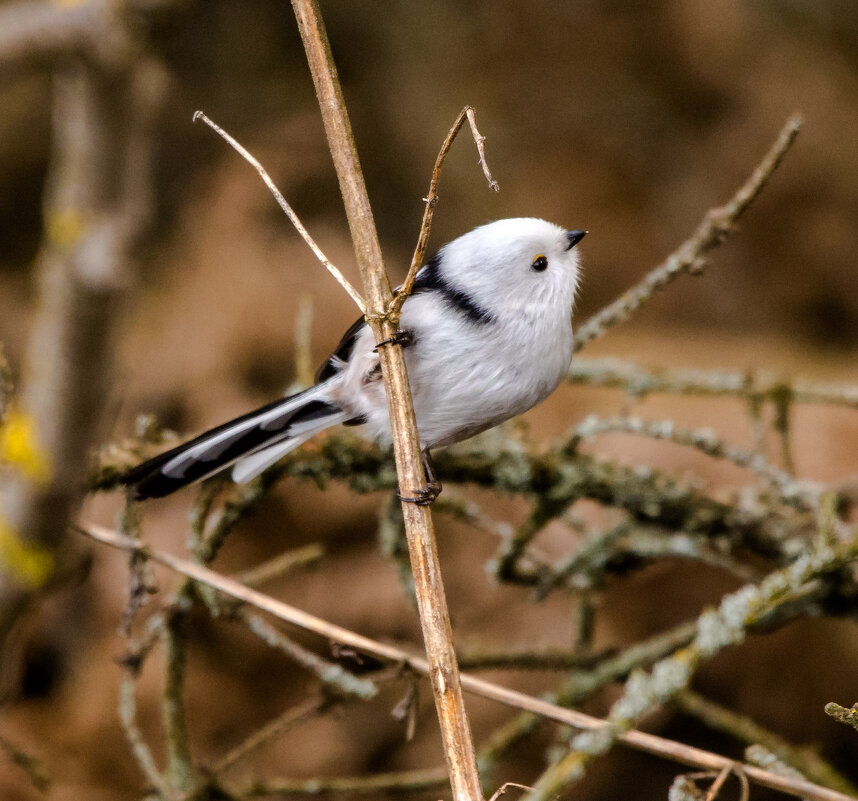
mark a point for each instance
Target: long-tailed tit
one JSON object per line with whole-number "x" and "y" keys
{"x": 488, "y": 334}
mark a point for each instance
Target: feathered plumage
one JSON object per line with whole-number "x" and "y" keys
{"x": 491, "y": 336}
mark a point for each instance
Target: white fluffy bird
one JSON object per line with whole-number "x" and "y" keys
{"x": 488, "y": 335}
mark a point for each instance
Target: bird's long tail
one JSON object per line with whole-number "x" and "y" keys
{"x": 251, "y": 442}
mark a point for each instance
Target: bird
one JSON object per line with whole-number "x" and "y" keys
{"x": 487, "y": 335}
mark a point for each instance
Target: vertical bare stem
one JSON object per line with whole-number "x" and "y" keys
{"x": 91, "y": 218}
{"x": 431, "y": 601}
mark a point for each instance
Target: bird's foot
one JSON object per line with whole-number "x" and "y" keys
{"x": 403, "y": 338}
{"x": 423, "y": 497}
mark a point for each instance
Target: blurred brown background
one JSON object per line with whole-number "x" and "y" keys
{"x": 628, "y": 119}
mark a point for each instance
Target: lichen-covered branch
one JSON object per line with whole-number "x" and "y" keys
{"x": 716, "y": 629}
{"x": 758, "y": 385}
{"x": 805, "y": 760}
{"x": 709, "y": 635}
{"x": 705, "y": 441}
{"x": 554, "y": 475}
{"x": 842, "y": 714}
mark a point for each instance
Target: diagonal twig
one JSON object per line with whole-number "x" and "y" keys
{"x": 431, "y": 200}
{"x": 287, "y": 209}
{"x": 293, "y": 717}
{"x": 716, "y": 224}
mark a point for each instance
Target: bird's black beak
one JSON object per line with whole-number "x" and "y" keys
{"x": 574, "y": 237}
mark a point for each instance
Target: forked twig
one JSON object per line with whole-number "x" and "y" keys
{"x": 431, "y": 200}
{"x": 505, "y": 786}
{"x": 287, "y": 209}
{"x": 716, "y": 786}
{"x": 639, "y": 740}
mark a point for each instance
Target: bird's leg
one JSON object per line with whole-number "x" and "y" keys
{"x": 426, "y": 496}
{"x": 403, "y": 338}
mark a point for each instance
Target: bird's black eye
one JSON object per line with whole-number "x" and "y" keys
{"x": 540, "y": 263}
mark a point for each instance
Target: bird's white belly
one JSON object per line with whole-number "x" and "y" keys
{"x": 466, "y": 382}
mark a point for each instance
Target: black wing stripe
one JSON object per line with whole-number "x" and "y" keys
{"x": 430, "y": 279}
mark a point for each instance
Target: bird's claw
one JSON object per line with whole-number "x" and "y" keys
{"x": 423, "y": 497}
{"x": 403, "y": 338}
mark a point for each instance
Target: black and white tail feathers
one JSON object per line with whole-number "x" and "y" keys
{"x": 252, "y": 443}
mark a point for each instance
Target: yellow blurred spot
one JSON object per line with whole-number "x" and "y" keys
{"x": 65, "y": 227}
{"x": 30, "y": 565}
{"x": 19, "y": 446}
{"x": 69, "y": 3}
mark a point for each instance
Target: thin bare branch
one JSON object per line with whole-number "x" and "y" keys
{"x": 335, "y": 677}
{"x": 292, "y": 717}
{"x": 281, "y": 564}
{"x": 406, "y": 781}
{"x": 428, "y": 582}
{"x": 287, "y": 209}
{"x": 642, "y": 741}
{"x": 480, "y": 142}
{"x": 690, "y": 256}
{"x": 431, "y": 200}
{"x": 719, "y": 783}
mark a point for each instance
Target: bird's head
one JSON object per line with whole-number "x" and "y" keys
{"x": 514, "y": 265}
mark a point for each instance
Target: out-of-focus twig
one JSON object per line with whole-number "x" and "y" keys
{"x": 128, "y": 718}
{"x": 335, "y": 678}
{"x": 5, "y": 382}
{"x": 641, "y": 381}
{"x": 280, "y": 565}
{"x": 304, "y": 342}
{"x": 690, "y": 256}
{"x": 759, "y": 755}
{"x": 380, "y": 783}
{"x": 43, "y": 32}
{"x": 292, "y": 717}
{"x": 31, "y": 765}
{"x": 97, "y": 204}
